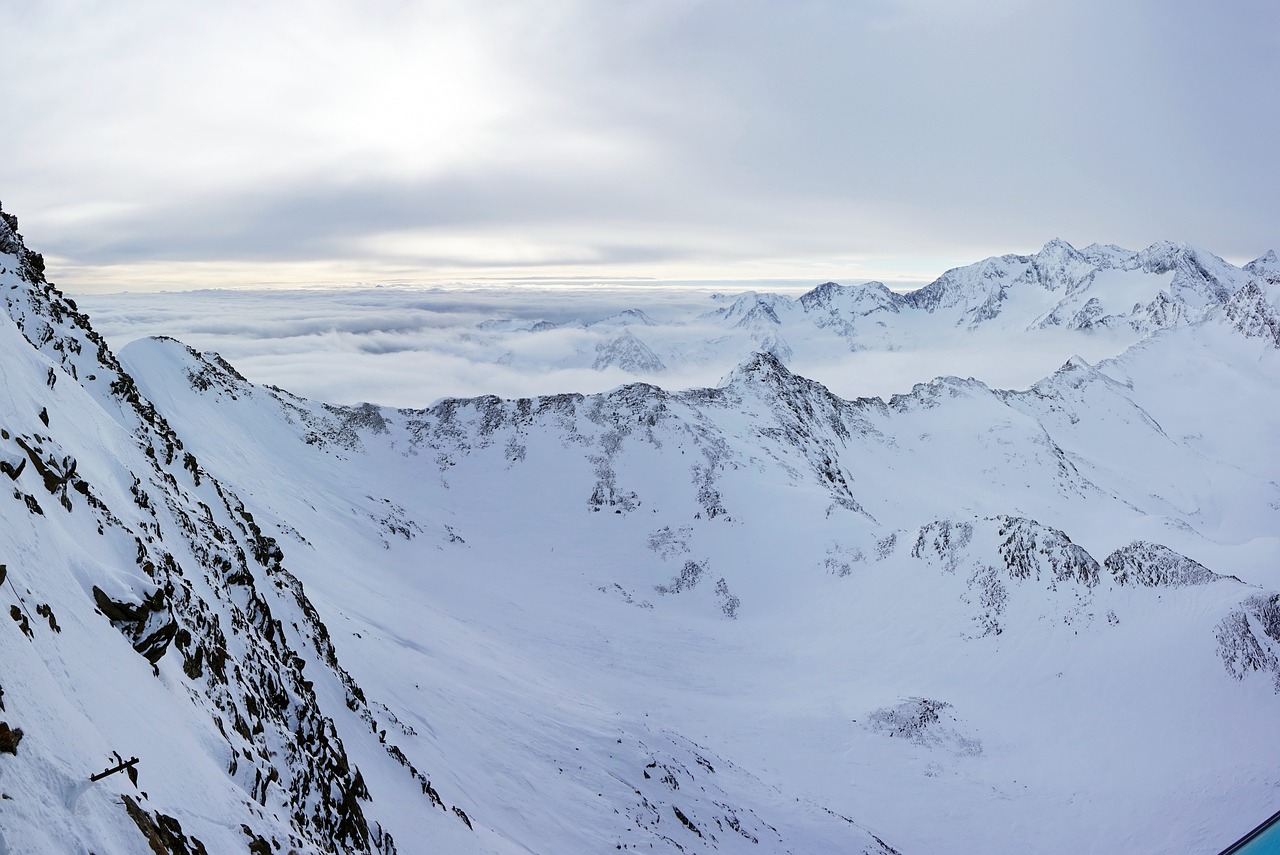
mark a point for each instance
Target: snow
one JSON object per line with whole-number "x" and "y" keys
{"x": 757, "y": 616}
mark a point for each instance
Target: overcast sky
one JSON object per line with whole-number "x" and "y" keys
{"x": 169, "y": 143}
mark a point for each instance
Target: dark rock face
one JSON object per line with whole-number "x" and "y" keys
{"x": 923, "y": 721}
{"x": 910, "y": 719}
{"x": 163, "y": 833}
{"x": 1034, "y": 551}
{"x": 1249, "y": 638}
{"x": 149, "y": 625}
{"x": 686, "y": 580}
{"x": 216, "y": 586}
{"x": 998, "y": 557}
{"x": 1252, "y": 314}
{"x": 1028, "y": 550}
{"x": 9, "y": 738}
{"x": 1153, "y": 565}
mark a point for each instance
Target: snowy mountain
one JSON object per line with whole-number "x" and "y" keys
{"x": 625, "y": 318}
{"x": 756, "y": 617}
{"x": 1107, "y": 291}
{"x": 627, "y": 352}
{"x": 1062, "y": 286}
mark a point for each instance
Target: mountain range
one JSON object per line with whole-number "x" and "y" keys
{"x": 756, "y": 617}
{"x": 1105, "y": 290}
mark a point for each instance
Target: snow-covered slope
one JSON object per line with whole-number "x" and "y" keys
{"x": 154, "y": 617}
{"x": 1081, "y": 289}
{"x": 750, "y": 618}
{"x": 717, "y": 559}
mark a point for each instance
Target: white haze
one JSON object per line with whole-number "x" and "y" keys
{"x": 408, "y": 347}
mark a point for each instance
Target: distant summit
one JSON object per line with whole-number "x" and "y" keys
{"x": 629, "y": 353}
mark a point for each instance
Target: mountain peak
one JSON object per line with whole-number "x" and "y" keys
{"x": 628, "y": 352}
{"x": 1107, "y": 255}
{"x": 627, "y": 317}
{"x": 30, "y": 264}
{"x": 861, "y": 299}
{"x": 1057, "y": 246}
{"x": 1075, "y": 362}
{"x": 752, "y": 309}
{"x": 1060, "y": 266}
{"x": 1162, "y": 256}
{"x": 821, "y": 295}
{"x": 760, "y": 368}
{"x": 1253, "y": 314}
{"x": 1265, "y": 266}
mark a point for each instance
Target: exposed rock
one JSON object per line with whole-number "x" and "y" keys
{"x": 926, "y": 722}
{"x": 163, "y": 833}
{"x": 9, "y": 738}
{"x": 1252, "y": 314}
{"x": 1249, "y": 638}
{"x": 1038, "y": 552}
{"x": 1153, "y": 565}
{"x": 214, "y": 582}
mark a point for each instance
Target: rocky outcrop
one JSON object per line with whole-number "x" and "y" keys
{"x": 205, "y": 582}
{"x": 1155, "y": 566}
{"x": 1253, "y": 315}
{"x": 1249, "y": 638}
{"x": 926, "y": 722}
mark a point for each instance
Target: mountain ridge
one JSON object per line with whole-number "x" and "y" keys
{"x": 1110, "y": 290}
{"x": 561, "y": 605}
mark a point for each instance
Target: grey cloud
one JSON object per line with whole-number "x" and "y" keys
{"x": 625, "y": 136}
{"x": 315, "y": 219}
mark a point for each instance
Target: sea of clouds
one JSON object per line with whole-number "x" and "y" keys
{"x": 411, "y": 346}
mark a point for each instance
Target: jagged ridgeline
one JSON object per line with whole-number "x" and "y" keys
{"x": 1099, "y": 292}
{"x": 153, "y": 615}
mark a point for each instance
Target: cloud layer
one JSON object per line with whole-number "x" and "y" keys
{"x": 160, "y": 144}
{"x": 409, "y": 347}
